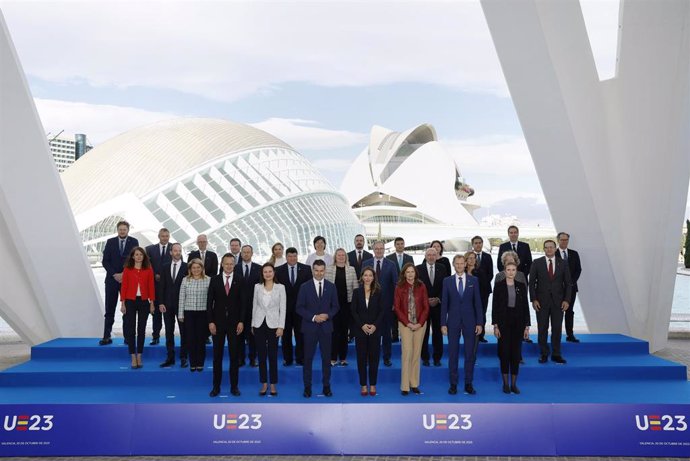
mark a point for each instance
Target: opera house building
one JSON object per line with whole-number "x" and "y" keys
{"x": 208, "y": 176}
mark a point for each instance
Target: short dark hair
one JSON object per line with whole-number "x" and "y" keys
{"x": 247, "y": 245}
{"x": 291, "y": 250}
{"x": 319, "y": 262}
{"x": 477, "y": 237}
{"x": 399, "y": 239}
{"x": 360, "y": 235}
{"x": 163, "y": 229}
{"x": 319, "y": 237}
{"x": 227, "y": 255}
{"x": 549, "y": 240}
{"x": 513, "y": 226}
{"x": 122, "y": 223}
{"x": 235, "y": 239}
{"x": 562, "y": 233}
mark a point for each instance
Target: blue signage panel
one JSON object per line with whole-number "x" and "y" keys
{"x": 622, "y": 430}
{"x": 241, "y": 429}
{"x": 64, "y": 430}
{"x": 448, "y": 429}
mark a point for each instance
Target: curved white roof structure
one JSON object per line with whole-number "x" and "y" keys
{"x": 207, "y": 176}
{"x": 406, "y": 184}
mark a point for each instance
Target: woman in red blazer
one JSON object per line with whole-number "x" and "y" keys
{"x": 411, "y": 304}
{"x": 137, "y": 294}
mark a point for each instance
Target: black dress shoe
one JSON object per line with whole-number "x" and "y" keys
{"x": 528, "y": 340}
{"x": 572, "y": 339}
{"x": 506, "y": 389}
{"x": 242, "y": 363}
{"x": 286, "y": 363}
{"x": 416, "y": 390}
{"x": 253, "y": 364}
{"x": 543, "y": 359}
{"x": 184, "y": 363}
{"x": 426, "y": 363}
{"x": 404, "y": 392}
{"x": 168, "y": 363}
{"x": 514, "y": 389}
{"x": 453, "y": 389}
{"x": 214, "y": 392}
{"x": 236, "y": 392}
{"x": 558, "y": 359}
{"x": 388, "y": 363}
{"x": 154, "y": 341}
{"x": 437, "y": 363}
{"x": 482, "y": 340}
{"x": 307, "y": 392}
{"x": 469, "y": 389}
{"x": 105, "y": 342}
{"x": 327, "y": 391}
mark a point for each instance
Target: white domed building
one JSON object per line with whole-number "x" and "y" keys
{"x": 406, "y": 184}
{"x": 207, "y": 176}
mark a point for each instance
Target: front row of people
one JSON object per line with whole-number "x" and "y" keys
{"x": 201, "y": 304}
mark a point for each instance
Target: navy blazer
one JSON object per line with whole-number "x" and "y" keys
{"x": 573, "y": 265}
{"x": 210, "y": 261}
{"x": 309, "y": 304}
{"x": 363, "y": 314}
{"x": 352, "y": 259}
{"x": 169, "y": 288}
{"x": 393, "y": 257}
{"x": 485, "y": 273}
{"x": 302, "y": 274}
{"x": 388, "y": 279}
{"x": 247, "y": 287}
{"x": 466, "y": 311}
{"x": 524, "y": 253}
{"x": 113, "y": 262}
{"x": 154, "y": 253}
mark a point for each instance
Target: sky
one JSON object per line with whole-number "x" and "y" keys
{"x": 317, "y": 75}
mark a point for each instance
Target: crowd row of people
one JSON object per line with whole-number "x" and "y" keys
{"x": 333, "y": 299}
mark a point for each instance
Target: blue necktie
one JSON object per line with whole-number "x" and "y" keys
{"x": 122, "y": 247}
{"x": 460, "y": 289}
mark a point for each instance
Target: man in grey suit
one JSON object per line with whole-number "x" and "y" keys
{"x": 549, "y": 290}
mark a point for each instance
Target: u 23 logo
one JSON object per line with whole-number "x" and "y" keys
{"x": 240, "y": 421}
{"x": 661, "y": 422}
{"x": 450, "y": 421}
{"x": 28, "y": 423}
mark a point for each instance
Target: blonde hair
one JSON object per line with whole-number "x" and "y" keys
{"x": 191, "y": 263}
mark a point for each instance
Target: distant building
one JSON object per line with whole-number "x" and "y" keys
{"x": 67, "y": 149}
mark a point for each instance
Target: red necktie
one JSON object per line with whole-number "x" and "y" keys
{"x": 550, "y": 269}
{"x": 227, "y": 285}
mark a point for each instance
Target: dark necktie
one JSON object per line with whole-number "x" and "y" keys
{"x": 378, "y": 269}
{"x": 292, "y": 275}
{"x": 565, "y": 255}
{"x": 515, "y": 247}
{"x": 174, "y": 271}
{"x": 550, "y": 269}
{"x": 460, "y": 288}
{"x": 246, "y": 271}
{"x": 479, "y": 258}
{"x": 162, "y": 251}
{"x": 122, "y": 247}
{"x": 431, "y": 274}
{"x": 359, "y": 258}
{"x": 320, "y": 290}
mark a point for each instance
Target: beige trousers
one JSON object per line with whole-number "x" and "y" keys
{"x": 411, "y": 344}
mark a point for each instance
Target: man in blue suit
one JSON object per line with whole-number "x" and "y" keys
{"x": 159, "y": 255}
{"x": 461, "y": 313}
{"x": 387, "y": 276}
{"x": 115, "y": 254}
{"x": 317, "y": 304}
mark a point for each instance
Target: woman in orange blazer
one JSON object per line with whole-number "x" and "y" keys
{"x": 137, "y": 294}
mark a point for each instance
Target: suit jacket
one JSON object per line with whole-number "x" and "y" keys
{"x": 210, "y": 261}
{"x": 546, "y": 290}
{"x": 393, "y": 257}
{"x": 524, "y": 253}
{"x": 113, "y": 262}
{"x": 309, "y": 304}
{"x": 169, "y": 288}
{"x": 274, "y": 312}
{"x": 388, "y": 279}
{"x": 499, "y": 304}
{"x": 157, "y": 262}
{"x": 351, "y": 282}
{"x": 352, "y": 259}
{"x": 302, "y": 274}
{"x": 457, "y": 311}
{"x": 421, "y": 301}
{"x": 248, "y": 287}
{"x": 225, "y": 310}
{"x": 435, "y": 290}
{"x": 363, "y": 314}
{"x": 573, "y": 265}
{"x": 485, "y": 273}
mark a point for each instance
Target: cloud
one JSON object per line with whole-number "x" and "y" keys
{"x": 332, "y": 165}
{"x": 505, "y": 156}
{"x": 307, "y": 135}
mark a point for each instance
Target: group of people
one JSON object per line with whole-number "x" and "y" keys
{"x": 371, "y": 298}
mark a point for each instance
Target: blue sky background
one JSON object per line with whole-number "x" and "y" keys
{"x": 318, "y": 75}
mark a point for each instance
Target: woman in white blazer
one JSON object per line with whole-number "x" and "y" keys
{"x": 344, "y": 277}
{"x": 268, "y": 321}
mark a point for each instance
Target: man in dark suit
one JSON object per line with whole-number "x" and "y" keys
{"x": 387, "y": 276}
{"x": 549, "y": 290}
{"x": 159, "y": 255}
{"x": 461, "y": 313}
{"x": 317, "y": 304}
{"x": 432, "y": 275}
{"x": 292, "y": 275}
{"x": 485, "y": 273}
{"x": 573, "y": 258}
{"x": 208, "y": 257}
{"x": 521, "y": 248}
{"x": 235, "y": 249}
{"x": 247, "y": 273}
{"x": 399, "y": 258}
{"x": 225, "y": 311}
{"x": 357, "y": 256}
{"x": 172, "y": 274}
{"x": 115, "y": 253}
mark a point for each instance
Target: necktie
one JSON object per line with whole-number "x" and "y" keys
{"x": 292, "y": 275}
{"x": 461, "y": 290}
{"x": 400, "y": 261}
{"x": 479, "y": 258}
{"x": 174, "y": 274}
{"x": 550, "y": 269}
{"x": 431, "y": 274}
{"x": 378, "y": 269}
{"x": 162, "y": 251}
{"x": 565, "y": 255}
{"x": 246, "y": 271}
{"x": 359, "y": 258}
{"x": 319, "y": 290}
{"x": 227, "y": 284}
{"x": 122, "y": 247}
{"x": 201, "y": 256}
{"x": 515, "y": 247}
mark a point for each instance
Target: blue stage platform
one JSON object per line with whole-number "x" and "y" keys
{"x": 612, "y": 398}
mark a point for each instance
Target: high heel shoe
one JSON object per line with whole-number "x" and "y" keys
{"x": 364, "y": 392}
{"x": 134, "y": 364}
{"x": 372, "y": 391}
{"x": 263, "y": 390}
{"x": 274, "y": 391}
{"x": 139, "y": 364}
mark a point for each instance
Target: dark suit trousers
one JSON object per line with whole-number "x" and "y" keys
{"x": 170, "y": 319}
{"x": 247, "y": 337}
{"x": 157, "y": 321}
{"x": 196, "y": 326}
{"x": 485, "y": 304}
{"x": 112, "y": 293}
{"x": 267, "y": 348}
{"x": 233, "y": 351}
{"x": 386, "y": 332}
{"x": 311, "y": 339}
{"x": 341, "y": 324}
{"x": 454, "y": 352}
{"x": 510, "y": 342}
{"x": 368, "y": 355}
{"x": 293, "y": 323}
{"x": 570, "y": 315}
{"x": 549, "y": 312}
{"x": 433, "y": 327}
{"x": 135, "y": 324}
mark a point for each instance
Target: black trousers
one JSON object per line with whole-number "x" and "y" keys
{"x": 433, "y": 327}
{"x": 233, "y": 351}
{"x": 157, "y": 321}
{"x": 311, "y": 339}
{"x": 247, "y": 337}
{"x": 485, "y": 305}
{"x": 510, "y": 342}
{"x": 341, "y": 326}
{"x": 112, "y": 293}
{"x": 368, "y": 356}
{"x": 293, "y": 326}
{"x": 549, "y": 313}
{"x": 196, "y": 326}
{"x": 135, "y": 324}
{"x": 267, "y": 348}
{"x": 170, "y": 319}
{"x": 570, "y": 315}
